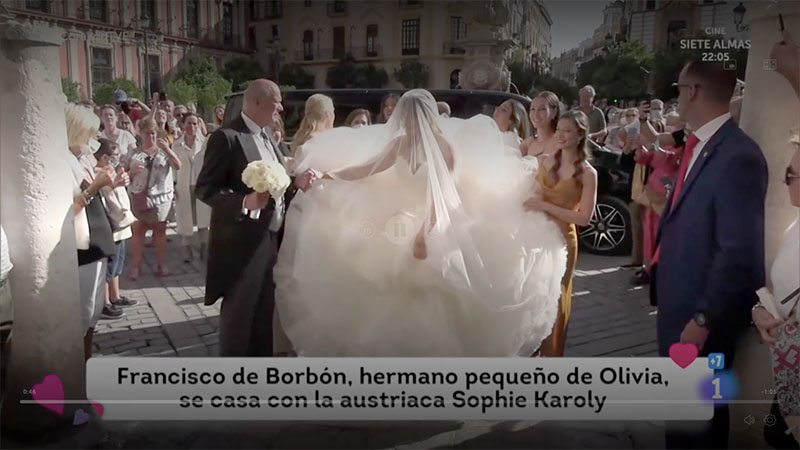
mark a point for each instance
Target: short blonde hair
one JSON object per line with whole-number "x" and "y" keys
{"x": 147, "y": 124}
{"x": 317, "y": 107}
{"x": 82, "y": 124}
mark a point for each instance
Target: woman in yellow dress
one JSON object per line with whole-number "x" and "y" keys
{"x": 569, "y": 193}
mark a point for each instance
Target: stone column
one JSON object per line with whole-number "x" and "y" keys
{"x": 771, "y": 111}
{"x": 35, "y": 207}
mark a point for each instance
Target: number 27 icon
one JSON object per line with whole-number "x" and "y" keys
{"x": 716, "y": 361}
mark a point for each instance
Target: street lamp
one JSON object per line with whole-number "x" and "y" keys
{"x": 145, "y": 21}
{"x": 738, "y": 17}
{"x": 277, "y": 57}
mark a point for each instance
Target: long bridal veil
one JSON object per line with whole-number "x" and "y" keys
{"x": 347, "y": 281}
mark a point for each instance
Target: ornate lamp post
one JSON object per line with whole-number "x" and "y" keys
{"x": 738, "y": 17}
{"x": 146, "y": 24}
{"x": 277, "y": 58}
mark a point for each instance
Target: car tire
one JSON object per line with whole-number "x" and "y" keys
{"x": 609, "y": 231}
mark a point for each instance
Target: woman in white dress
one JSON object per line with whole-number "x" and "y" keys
{"x": 191, "y": 149}
{"x": 415, "y": 243}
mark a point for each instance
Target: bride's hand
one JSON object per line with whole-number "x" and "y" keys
{"x": 306, "y": 179}
{"x": 534, "y": 204}
{"x": 420, "y": 250}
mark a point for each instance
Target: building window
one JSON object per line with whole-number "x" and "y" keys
{"x": 307, "y": 3}
{"x": 149, "y": 11}
{"x": 338, "y": 42}
{"x": 40, "y": 5}
{"x": 651, "y": 4}
{"x": 458, "y": 29}
{"x": 308, "y": 45}
{"x": 153, "y": 68}
{"x": 227, "y": 23}
{"x": 372, "y": 40}
{"x": 102, "y": 69}
{"x": 410, "y": 37}
{"x": 274, "y": 9}
{"x": 274, "y": 32}
{"x": 97, "y": 10}
{"x": 251, "y": 37}
{"x": 676, "y": 31}
{"x": 192, "y": 18}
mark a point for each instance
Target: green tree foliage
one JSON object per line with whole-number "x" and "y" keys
{"x": 521, "y": 77}
{"x": 618, "y": 73}
{"x": 562, "y": 89}
{"x": 181, "y": 92}
{"x": 669, "y": 63}
{"x": 72, "y": 89}
{"x": 210, "y": 86}
{"x": 412, "y": 74}
{"x": 370, "y": 76}
{"x": 102, "y": 93}
{"x": 295, "y": 75}
{"x": 241, "y": 70}
{"x": 343, "y": 74}
{"x": 346, "y": 74}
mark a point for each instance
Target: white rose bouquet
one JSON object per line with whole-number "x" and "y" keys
{"x": 266, "y": 177}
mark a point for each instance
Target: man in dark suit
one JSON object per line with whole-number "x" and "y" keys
{"x": 245, "y": 225}
{"x": 710, "y": 254}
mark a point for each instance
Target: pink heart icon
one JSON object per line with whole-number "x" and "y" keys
{"x": 50, "y": 393}
{"x": 683, "y": 354}
{"x": 97, "y": 407}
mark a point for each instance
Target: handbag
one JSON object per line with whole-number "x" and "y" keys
{"x": 656, "y": 200}
{"x": 638, "y": 184}
{"x": 141, "y": 201}
{"x": 785, "y": 361}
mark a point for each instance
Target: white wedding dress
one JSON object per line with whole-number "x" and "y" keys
{"x": 347, "y": 281}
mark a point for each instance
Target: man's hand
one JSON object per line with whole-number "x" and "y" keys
{"x": 695, "y": 334}
{"x": 306, "y": 179}
{"x": 765, "y": 323}
{"x": 255, "y": 201}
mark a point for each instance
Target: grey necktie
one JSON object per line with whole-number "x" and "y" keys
{"x": 277, "y": 218}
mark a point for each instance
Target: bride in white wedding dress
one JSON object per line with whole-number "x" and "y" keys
{"x": 414, "y": 242}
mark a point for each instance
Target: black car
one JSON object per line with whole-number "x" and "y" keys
{"x": 608, "y": 233}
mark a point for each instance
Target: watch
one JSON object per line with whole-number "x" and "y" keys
{"x": 701, "y": 319}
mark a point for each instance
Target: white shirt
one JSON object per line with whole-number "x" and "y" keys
{"x": 5, "y": 260}
{"x": 125, "y": 141}
{"x": 267, "y": 154}
{"x": 704, "y": 135}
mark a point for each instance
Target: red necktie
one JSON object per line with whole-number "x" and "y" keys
{"x": 691, "y": 143}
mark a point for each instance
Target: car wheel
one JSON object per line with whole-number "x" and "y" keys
{"x": 609, "y": 230}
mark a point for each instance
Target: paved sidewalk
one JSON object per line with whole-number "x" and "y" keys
{"x": 609, "y": 318}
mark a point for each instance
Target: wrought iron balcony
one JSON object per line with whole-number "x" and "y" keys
{"x": 452, "y": 48}
{"x": 337, "y": 8}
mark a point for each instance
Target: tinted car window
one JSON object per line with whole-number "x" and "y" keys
{"x": 463, "y": 104}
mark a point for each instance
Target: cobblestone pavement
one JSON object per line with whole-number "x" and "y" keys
{"x": 609, "y": 318}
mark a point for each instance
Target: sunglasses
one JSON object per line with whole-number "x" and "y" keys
{"x": 790, "y": 176}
